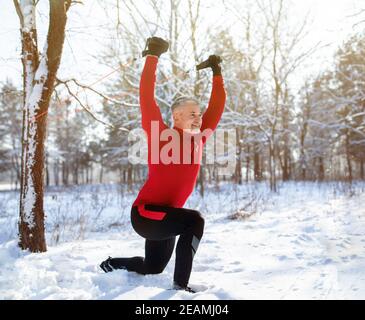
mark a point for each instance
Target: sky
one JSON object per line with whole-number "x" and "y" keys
{"x": 332, "y": 23}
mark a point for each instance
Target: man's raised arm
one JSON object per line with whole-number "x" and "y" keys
{"x": 217, "y": 99}
{"x": 149, "y": 109}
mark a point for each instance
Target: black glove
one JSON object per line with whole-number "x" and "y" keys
{"x": 155, "y": 46}
{"x": 213, "y": 63}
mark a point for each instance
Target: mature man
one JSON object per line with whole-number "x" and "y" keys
{"x": 157, "y": 214}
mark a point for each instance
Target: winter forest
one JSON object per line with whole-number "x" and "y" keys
{"x": 295, "y": 109}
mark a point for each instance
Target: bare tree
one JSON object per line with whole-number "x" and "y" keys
{"x": 284, "y": 61}
{"x": 39, "y": 74}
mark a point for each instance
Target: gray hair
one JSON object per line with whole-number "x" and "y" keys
{"x": 181, "y": 100}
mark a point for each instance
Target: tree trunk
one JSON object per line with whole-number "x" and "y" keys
{"x": 129, "y": 182}
{"x": 272, "y": 167}
{"x": 201, "y": 181}
{"x": 348, "y": 157}
{"x": 11, "y": 178}
{"x": 56, "y": 172}
{"x": 257, "y": 166}
{"x": 247, "y": 163}
{"x": 321, "y": 169}
{"x": 91, "y": 173}
{"x": 47, "y": 172}
{"x": 101, "y": 173}
{"x": 38, "y": 81}
{"x": 65, "y": 173}
{"x": 286, "y": 165}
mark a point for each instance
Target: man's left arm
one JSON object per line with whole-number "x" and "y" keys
{"x": 217, "y": 101}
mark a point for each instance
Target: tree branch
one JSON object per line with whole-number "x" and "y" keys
{"x": 19, "y": 12}
{"x": 65, "y": 83}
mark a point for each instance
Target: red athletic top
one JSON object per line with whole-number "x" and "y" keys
{"x": 170, "y": 184}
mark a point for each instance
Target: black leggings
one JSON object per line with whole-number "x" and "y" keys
{"x": 160, "y": 241}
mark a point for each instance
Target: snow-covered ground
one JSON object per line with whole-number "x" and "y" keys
{"x": 305, "y": 242}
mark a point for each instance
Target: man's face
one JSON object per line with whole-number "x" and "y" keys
{"x": 188, "y": 116}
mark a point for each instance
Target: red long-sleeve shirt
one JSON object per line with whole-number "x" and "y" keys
{"x": 170, "y": 184}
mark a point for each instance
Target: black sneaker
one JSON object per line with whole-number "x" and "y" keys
{"x": 186, "y": 288}
{"x": 106, "y": 266}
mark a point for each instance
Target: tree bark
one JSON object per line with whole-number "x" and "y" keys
{"x": 38, "y": 80}
{"x": 257, "y": 167}
{"x": 348, "y": 157}
{"x": 239, "y": 157}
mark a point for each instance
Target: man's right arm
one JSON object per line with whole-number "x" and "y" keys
{"x": 149, "y": 109}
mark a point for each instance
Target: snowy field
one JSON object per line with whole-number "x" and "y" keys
{"x": 305, "y": 242}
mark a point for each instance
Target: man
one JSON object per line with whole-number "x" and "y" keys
{"x": 157, "y": 214}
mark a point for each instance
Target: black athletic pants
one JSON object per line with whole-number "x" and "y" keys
{"x": 160, "y": 241}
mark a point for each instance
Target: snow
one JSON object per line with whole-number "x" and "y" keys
{"x": 305, "y": 242}
{"x": 28, "y": 11}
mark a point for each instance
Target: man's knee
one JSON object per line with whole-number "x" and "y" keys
{"x": 198, "y": 224}
{"x": 201, "y": 221}
{"x": 155, "y": 269}
{"x": 155, "y": 266}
